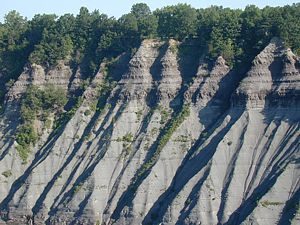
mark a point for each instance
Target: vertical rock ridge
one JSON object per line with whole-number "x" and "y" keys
{"x": 268, "y": 81}
{"x": 171, "y": 79}
{"x": 120, "y": 160}
{"x": 138, "y": 81}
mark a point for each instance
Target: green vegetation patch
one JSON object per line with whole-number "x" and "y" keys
{"x": 164, "y": 115}
{"x": 182, "y": 138}
{"x": 7, "y": 173}
{"x": 174, "y": 48}
{"x": 267, "y": 203}
{"x": 139, "y": 114}
{"x": 89, "y": 37}
{"x": 87, "y": 112}
{"x": 173, "y": 125}
{"x": 128, "y": 137}
{"x": 36, "y": 104}
{"x": 77, "y": 188}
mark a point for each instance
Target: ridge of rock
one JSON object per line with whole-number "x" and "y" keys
{"x": 273, "y": 76}
{"x": 229, "y": 154}
{"x": 171, "y": 80}
{"x": 36, "y": 75}
{"x": 138, "y": 80}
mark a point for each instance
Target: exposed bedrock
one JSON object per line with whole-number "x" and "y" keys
{"x": 163, "y": 141}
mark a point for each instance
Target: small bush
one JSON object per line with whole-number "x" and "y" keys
{"x": 84, "y": 85}
{"x": 164, "y": 116}
{"x": 87, "y": 112}
{"x": 77, "y": 188}
{"x": 267, "y": 203}
{"x": 7, "y": 173}
{"x": 139, "y": 114}
{"x": 127, "y": 149}
{"x": 93, "y": 106}
{"x": 173, "y": 125}
{"x": 182, "y": 138}
{"x": 154, "y": 131}
{"x": 37, "y": 103}
{"x": 128, "y": 137}
{"x": 174, "y": 49}
{"x": 26, "y": 135}
{"x": 23, "y": 152}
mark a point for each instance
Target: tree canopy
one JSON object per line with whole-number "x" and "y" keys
{"x": 87, "y": 38}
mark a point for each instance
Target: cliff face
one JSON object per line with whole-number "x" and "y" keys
{"x": 221, "y": 148}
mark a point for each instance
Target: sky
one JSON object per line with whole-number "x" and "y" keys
{"x": 116, "y": 8}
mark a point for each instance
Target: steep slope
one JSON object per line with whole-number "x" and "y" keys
{"x": 160, "y": 148}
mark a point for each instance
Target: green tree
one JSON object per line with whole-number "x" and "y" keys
{"x": 148, "y": 26}
{"x": 289, "y": 27}
{"x": 81, "y": 32}
{"x": 128, "y": 28}
{"x": 176, "y": 21}
{"x": 37, "y": 26}
{"x": 15, "y": 26}
{"x": 13, "y": 46}
{"x": 66, "y": 25}
{"x": 87, "y": 38}
{"x": 147, "y": 23}
{"x": 140, "y": 10}
{"x": 52, "y": 48}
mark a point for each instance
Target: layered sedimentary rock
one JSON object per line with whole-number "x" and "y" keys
{"x": 273, "y": 79}
{"x": 140, "y": 158}
{"x": 59, "y": 76}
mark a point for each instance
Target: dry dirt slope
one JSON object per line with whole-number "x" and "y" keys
{"x": 175, "y": 141}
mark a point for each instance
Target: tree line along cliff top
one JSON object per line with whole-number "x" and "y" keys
{"x": 89, "y": 37}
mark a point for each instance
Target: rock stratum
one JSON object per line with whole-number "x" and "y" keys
{"x": 174, "y": 141}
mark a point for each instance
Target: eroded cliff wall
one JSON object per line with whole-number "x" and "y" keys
{"x": 169, "y": 143}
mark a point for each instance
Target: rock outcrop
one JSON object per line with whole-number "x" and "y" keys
{"x": 145, "y": 146}
{"x": 272, "y": 80}
{"x": 59, "y": 76}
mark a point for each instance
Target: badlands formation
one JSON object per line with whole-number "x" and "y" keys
{"x": 172, "y": 140}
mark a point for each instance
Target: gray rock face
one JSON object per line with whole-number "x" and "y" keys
{"x": 273, "y": 79}
{"x": 170, "y": 80}
{"x": 141, "y": 159}
{"x": 137, "y": 82}
{"x": 36, "y": 75}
